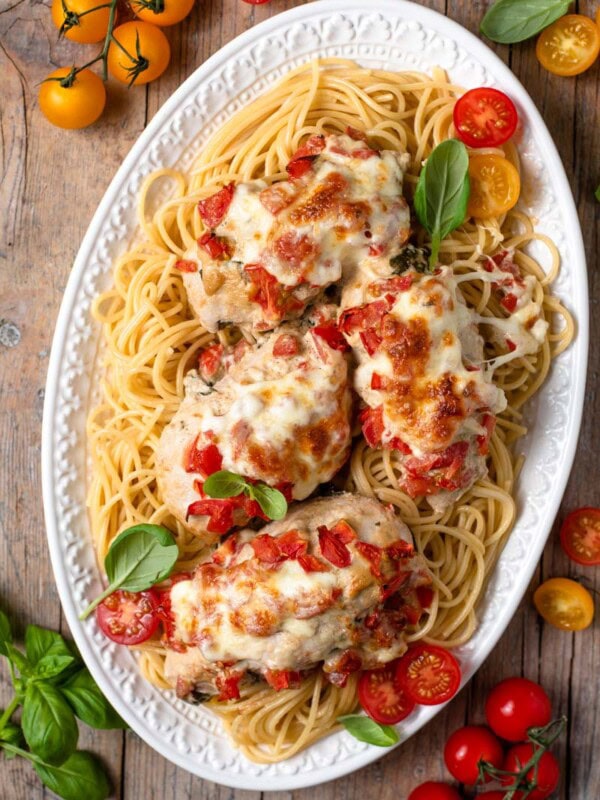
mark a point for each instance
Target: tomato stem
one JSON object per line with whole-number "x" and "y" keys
{"x": 156, "y": 6}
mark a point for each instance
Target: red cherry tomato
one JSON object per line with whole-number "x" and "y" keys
{"x": 129, "y": 617}
{"x": 433, "y": 790}
{"x": 429, "y": 674}
{"x": 548, "y": 771}
{"x": 485, "y": 118}
{"x": 514, "y": 706}
{"x": 580, "y": 536}
{"x": 381, "y": 696}
{"x": 466, "y": 747}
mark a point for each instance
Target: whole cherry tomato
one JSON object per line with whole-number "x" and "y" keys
{"x": 548, "y": 771}
{"x": 433, "y": 790}
{"x": 76, "y": 105}
{"x": 466, "y": 747}
{"x": 514, "y": 706}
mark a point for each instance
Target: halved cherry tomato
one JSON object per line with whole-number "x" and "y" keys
{"x": 161, "y": 12}
{"x": 139, "y": 53}
{"x": 495, "y": 186}
{"x": 546, "y": 776}
{"x": 429, "y": 674}
{"x": 514, "y": 706}
{"x": 89, "y": 28}
{"x": 466, "y": 747}
{"x": 433, "y": 790}
{"x": 569, "y": 46}
{"x": 580, "y": 536}
{"x": 382, "y": 697}
{"x": 129, "y": 617}
{"x": 485, "y": 117}
{"x": 565, "y": 604}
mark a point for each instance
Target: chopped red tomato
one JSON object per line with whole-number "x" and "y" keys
{"x": 266, "y": 549}
{"x": 213, "y": 208}
{"x": 429, "y": 674}
{"x": 299, "y": 167}
{"x": 509, "y": 302}
{"x": 363, "y": 153}
{"x": 331, "y": 334}
{"x": 364, "y": 317}
{"x": 425, "y": 595}
{"x": 279, "y": 679}
{"x": 276, "y": 197}
{"x": 373, "y": 555}
{"x": 291, "y": 544}
{"x": 376, "y": 249}
{"x": 312, "y": 147}
{"x": 382, "y": 697}
{"x": 333, "y": 548}
{"x": 219, "y": 511}
{"x": 295, "y": 249}
{"x": 225, "y": 551}
{"x": 377, "y": 381}
{"x": 372, "y": 425}
{"x": 269, "y": 294}
{"x": 511, "y": 345}
{"x": 485, "y": 117}
{"x": 186, "y": 266}
{"x": 286, "y": 345}
{"x": 399, "y": 550}
{"x": 209, "y": 361}
{"x": 310, "y": 563}
{"x": 215, "y": 247}
{"x": 354, "y": 133}
{"x": 205, "y": 460}
{"x": 370, "y": 340}
{"x": 483, "y": 441}
{"x": 343, "y": 531}
{"x": 399, "y": 283}
{"x": 228, "y": 684}
{"x": 415, "y": 487}
{"x": 129, "y": 617}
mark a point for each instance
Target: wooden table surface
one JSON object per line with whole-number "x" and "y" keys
{"x": 52, "y": 181}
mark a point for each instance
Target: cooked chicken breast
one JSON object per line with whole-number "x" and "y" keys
{"x": 280, "y": 415}
{"x": 273, "y": 249}
{"x": 335, "y": 583}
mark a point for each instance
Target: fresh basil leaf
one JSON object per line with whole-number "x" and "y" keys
{"x": 41, "y": 642}
{"x": 5, "y": 632}
{"x": 50, "y": 666}
{"x": 81, "y": 777}
{"x": 138, "y": 558}
{"x": 442, "y": 192}
{"x": 367, "y": 730}
{"x": 12, "y": 734}
{"x": 224, "y": 484}
{"x": 271, "y": 501}
{"x": 17, "y": 658}
{"x": 48, "y": 723}
{"x": 88, "y": 702}
{"x": 510, "y": 21}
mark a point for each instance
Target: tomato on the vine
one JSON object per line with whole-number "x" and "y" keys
{"x": 161, "y": 12}
{"x": 514, "y": 706}
{"x": 434, "y": 790}
{"x": 565, "y": 604}
{"x": 466, "y": 747}
{"x": 495, "y": 185}
{"x": 546, "y": 776}
{"x": 429, "y": 674}
{"x": 140, "y": 53}
{"x": 87, "y": 29}
{"x": 72, "y": 106}
{"x": 381, "y": 697}
{"x": 580, "y": 536}
{"x": 569, "y": 46}
{"x": 485, "y": 117}
{"x": 129, "y": 617}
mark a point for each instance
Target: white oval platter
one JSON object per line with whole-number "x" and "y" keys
{"x": 398, "y": 35}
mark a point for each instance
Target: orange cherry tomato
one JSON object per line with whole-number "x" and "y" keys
{"x": 87, "y": 29}
{"x": 161, "y": 12}
{"x": 75, "y": 106}
{"x": 128, "y": 65}
{"x": 580, "y": 536}
{"x": 495, "y": 186}
{"x": 569, "y": 46}
{"x": 565, "y": 604}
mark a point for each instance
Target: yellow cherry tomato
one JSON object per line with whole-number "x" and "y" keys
{"x": 495, "y": 185}
{"x": 74, "y": 106}
{"x": 141, "y": 55}
{"x": 569, "y": 46}
{"x": 162, "y": 12}
{"x": 89, "y": 28}
{"x": 565, "y": 604}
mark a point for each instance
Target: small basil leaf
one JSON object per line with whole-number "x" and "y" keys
{"x": 80, "y": 776}
{"x": 50, "y": 666}
{"x": 224, "y": 484}
{"x": 367, "y": 730}
{"x": 48, "y": 723}
{"x": 5, "y": 632}
{"x": 271, "y": 501}
{"x": 12, "y": 734}
{"x": 442, "y": 192}
{"x": 89, "y": 704}
{"x": 40, "y": 642}
{"x": 510, "y": 21}
{"x": 20, "y": 661}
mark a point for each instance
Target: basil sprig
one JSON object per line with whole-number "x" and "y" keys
{"x": 138, "y": 558}
{"x": 53, "y": 686}
{"x": 223, "y": 484}
{"x": 510, "y": 21}
{"x": 367, "y": 730}
{"x": 442, "y": 192}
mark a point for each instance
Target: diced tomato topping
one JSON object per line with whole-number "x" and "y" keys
{"x": 483, "y": 442}
{"x": 399, "y": 283}
{"x": 370, "y": 340}
{"x": 291, "y": 544}
{"x": 228, "y": 684}
{"x": 392, "y": 587}
{"x": 209, "y": 361}
{"x": 279, "y": 679}
{"x": 373, "y": 555}
{"x": 509, "y": 302}
{"x": 186, "y": 266}
{"x": 266, "y": 549}
{"x": 511, "y": 345}
{"x": 414, "y": 486}
{"x": 299, "y": 167}
{"x": 312, "y": 147}
{"x": 331, "y": 334}
{"x": 333, "y": 548}
{"x": 204, "y": 460}
{"x": 372, "y": 425}
{"x": 295, "y": 249}
{"x": 354, "y": 133}
{"x": 310, "y": 563}
{"x": 269, "y": 294}
{"x": 376, "y": 250}
{"x": 451, "y": 459}
{"x": 397, "y": 444}
{"x": 377, "y": 381}
{"x": 364, "y": 317}
{"x": 399, "y": 550}
{"x": 212, "y": 209}
{"x": 215, "y": 247}
{"x": 219, "y": 511}
{"x": 276, "y": 197}
{"x": 344, "y": 531}
{"x": 363, "y": 153}
{"x": 425, "y": 596}
{"x": 286, "y": 345}
{"x": 225, "y": 551}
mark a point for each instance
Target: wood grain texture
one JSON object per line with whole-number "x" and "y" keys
{"x": 51, "y": 183}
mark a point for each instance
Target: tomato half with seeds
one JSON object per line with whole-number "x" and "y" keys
{"x": 381, "y": 696}
{"x": 495, "y": 186}
{"x": 565, "y": 604}
{"x": 569, "y": 46}
{"x": 466, "y": 747}
{"x": 129, "y": 617}
{"x": 580, "y": 536}
{"x": 485, "y": 117}
{"x": 429, "y": 674}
